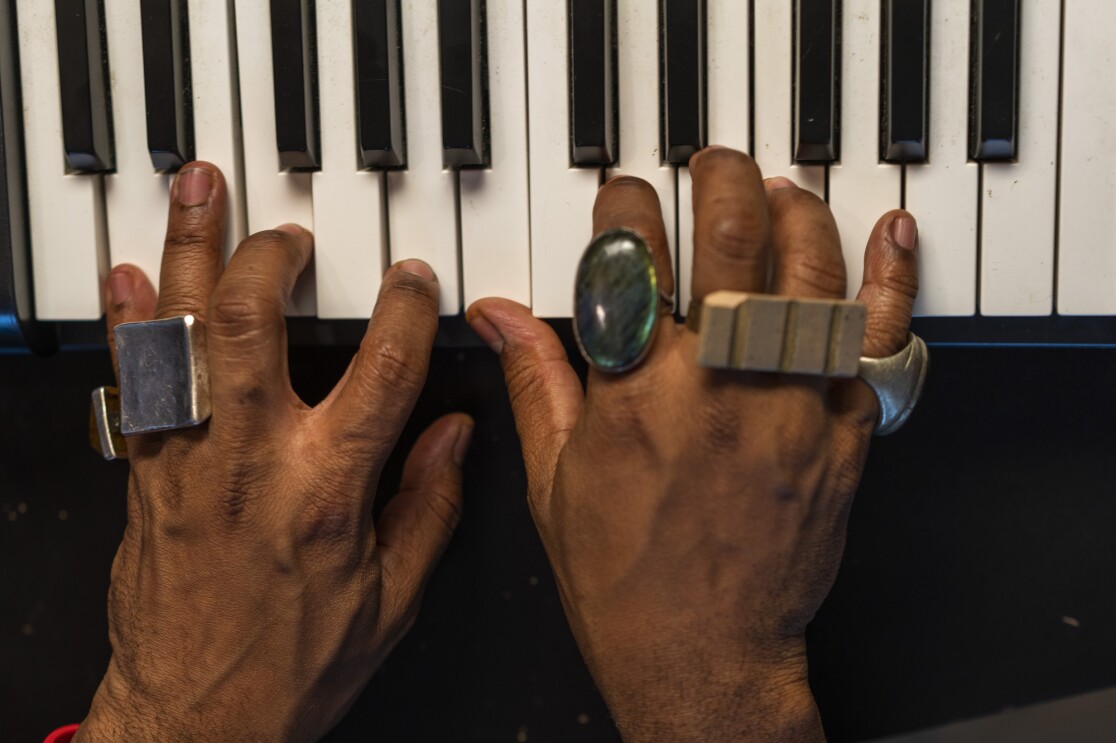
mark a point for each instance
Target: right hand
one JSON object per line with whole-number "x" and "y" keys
{"x": 695, "y": 518}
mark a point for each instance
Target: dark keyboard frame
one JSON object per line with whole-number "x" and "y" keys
{"x": 454, "y": 332}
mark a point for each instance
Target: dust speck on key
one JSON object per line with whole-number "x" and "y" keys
{"x": 533, "y": 580}
{"x": 521, "y": 736}
{"x": 1071, "y": 621}
{"x": 63, "y": 515}
{"x": 22, "y": 508}
{"x": 583, "y": 719}
{"x": 28, "y": 629}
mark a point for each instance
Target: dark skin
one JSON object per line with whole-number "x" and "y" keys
{"x": 694, "y": 519}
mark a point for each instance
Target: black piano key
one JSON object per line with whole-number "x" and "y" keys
{"x": 294, "y": 62}
{"x": 682, "y": 40}
{"x": 816, "y": 93}
{"x": 378, "y": 59}
{"x": 166, "y": 83}
{"x": 994, "y": 106}
{"x": 461, "y": 54}
{"x": 592, "y": 77}
{"x": 905, "y": 81}
{"x": 82, "y": 75}
{"x": 18, "y": 328}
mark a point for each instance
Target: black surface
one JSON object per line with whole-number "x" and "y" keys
{"x": 978, "y": 571}
{"x": 294, "y": 63}
{"x": 83, "y": 80}
{"x": 464, "y": 80}
{"x": 682, "y": 56}
{"x": 816, "y": 84}
{"x": 17, "y": 328}
{"x": 994, "y": 104}
{"x": 593, "y": 82}
{"x": 378, "y": 61}
{"x": 905, "y": 80}
{"x": 166, "y": 83}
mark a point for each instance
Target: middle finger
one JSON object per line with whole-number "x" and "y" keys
{"x": 192, "y": 252}
{"x": 732, "y": 231}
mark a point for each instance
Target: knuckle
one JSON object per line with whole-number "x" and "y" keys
{"x": 821, "y": 273}
{"x": 391, "y": 365}
{"x": 249, "y": 307}
{"x": 185, "y": 241}
{"x": 444, "y": 507}
{"x": 734, "y": 234}
{"x": 902, "y": 283}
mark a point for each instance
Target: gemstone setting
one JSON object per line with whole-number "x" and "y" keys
{"x": 616, "y": 301}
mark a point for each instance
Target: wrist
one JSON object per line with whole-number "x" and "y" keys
{"x": 712, "y": 693}
{"x": 754, "y": 711}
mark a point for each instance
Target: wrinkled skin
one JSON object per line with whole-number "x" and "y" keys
{"x": 252, "y": 596}
{"x": 694, "y": 518}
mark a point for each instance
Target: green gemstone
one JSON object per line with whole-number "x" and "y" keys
{"x": 616, "y": 301}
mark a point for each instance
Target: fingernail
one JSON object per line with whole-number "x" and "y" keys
{"x": 291, "y": 228}
{"x": 193, "y": 187}
{"x": 778, "y": 182}
{"x": 461, "y": 446}
{"x": 418, "y": 268}
{"x": 120, "y": 286}
{"x": 904, "y": 232}
{"x": 488, "y": 333}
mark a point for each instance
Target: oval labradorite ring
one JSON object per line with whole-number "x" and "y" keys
{"x": 617, "y": 301}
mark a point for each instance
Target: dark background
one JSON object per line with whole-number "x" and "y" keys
{"x": 980, "y": 571}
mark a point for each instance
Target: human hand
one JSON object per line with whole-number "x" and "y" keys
{"x": 695, "y": 518}
{"x": 251, "y": 597}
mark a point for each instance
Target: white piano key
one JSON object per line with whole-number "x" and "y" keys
{"x": 274, "y": 197}
{"x": 422, "y": 200}
{"x": 1017, "y": 224}
{"x": 728, "y": 117}
{"x": 495, "y": 225}
{"x": 1087, "y": 226}
{"x": 135, "y": 195}
{"x": 561, "y": 197}
{"x": 213, "y": 82}
{"x": 772, "y": 122}
{"x": 637, "y": 32}
{"x": 943, "y": 193}
{"x": 350, "y": 250}
{"x": 69, "y": 249}
{"x": 861, "y": 188}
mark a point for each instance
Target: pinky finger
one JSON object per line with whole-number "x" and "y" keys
{"x": 890, "y": 283}
{"x": 129, "y": 297}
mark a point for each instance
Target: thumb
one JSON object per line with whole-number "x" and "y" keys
{"x": 417, "y": 524}
{"x": 545, "y": 393}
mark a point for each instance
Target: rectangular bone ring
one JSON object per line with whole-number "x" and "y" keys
{"x": 164, "y": 374}
{"x": 791, "y": 335}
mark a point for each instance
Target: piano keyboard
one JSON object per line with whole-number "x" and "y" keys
{"x": 473, "y": 134}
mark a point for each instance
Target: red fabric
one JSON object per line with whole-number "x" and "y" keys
{"x": 62, "y": 735}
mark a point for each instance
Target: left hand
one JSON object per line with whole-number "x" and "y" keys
{"x": 252, "y": 597}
